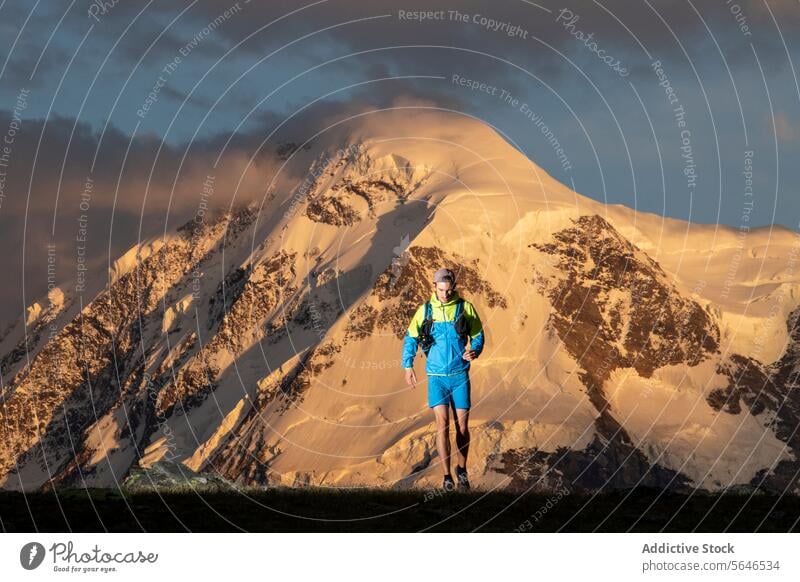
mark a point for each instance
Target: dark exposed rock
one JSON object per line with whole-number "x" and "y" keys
{"x": 245, "y": 458}
{"x": 403, "y": 286}
{"x": 9, "y": 327}
{"x": 16, "y": 354}
{"x": 227, "y": 293}
{"x": 321, "y": 358}
{"x": 776, "y": 388}
{"x": 75, "y": 378}
{"x": 30, "y": 343}
{"x": 663, "y": 328}
{"x": 260, "y": 295}
{"x": 747, "y": 382}
{"x": 613, "y": 307}
{"x": 75, "y": 471}
{"x": 754, "y": 388}
{"x": 366, "y": 316}
{"x": 598, "y": 467}
{"x": 317, "y": 314}
{"x": 340, "y": 203}
{"x": 331, "y": 210}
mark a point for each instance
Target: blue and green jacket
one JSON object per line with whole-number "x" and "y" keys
{"x": 444, "y": 357}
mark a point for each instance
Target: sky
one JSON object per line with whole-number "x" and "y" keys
{"x": 117, "y": 109}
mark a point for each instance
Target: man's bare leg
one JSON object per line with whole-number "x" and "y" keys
{"x": 462, "y": 435}
{"x": 443, "y": 435}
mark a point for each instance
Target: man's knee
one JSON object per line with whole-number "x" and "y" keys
{"x": 462, "y": 425}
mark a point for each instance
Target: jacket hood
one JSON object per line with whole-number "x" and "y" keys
{"x": 435, "y": 300}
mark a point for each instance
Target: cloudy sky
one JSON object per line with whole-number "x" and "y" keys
{"x": 661, "y": 105}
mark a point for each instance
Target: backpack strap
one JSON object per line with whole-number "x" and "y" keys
{"x": 459, "y": 308}
{"x": 460, "y": 320}
{"x": 426, "y": 339}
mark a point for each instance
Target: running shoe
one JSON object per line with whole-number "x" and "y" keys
{"x": 463, "y": 481}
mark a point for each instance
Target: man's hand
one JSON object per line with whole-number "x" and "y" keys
{"x": 411, "y": 378}
{"x": 469, "y": 355}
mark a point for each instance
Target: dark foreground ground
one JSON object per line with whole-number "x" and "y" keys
{"x": 360, "y": 510}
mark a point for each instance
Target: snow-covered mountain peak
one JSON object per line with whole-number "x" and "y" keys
{"x": 264, "y": 342}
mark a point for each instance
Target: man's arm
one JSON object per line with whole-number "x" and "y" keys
{"x": 411, "y": 338}
{"x": 476, "y": 334}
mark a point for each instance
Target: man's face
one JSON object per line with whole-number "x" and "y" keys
{"x": 444, "y": 291}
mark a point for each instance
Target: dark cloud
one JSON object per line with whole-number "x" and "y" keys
{"x": 125, "y": 193}
{"x": 624, "y": 25}
{"x": 378, "y": 48}
{"x": 157, "y": 192}
{"x": 618, "y": 25}
{"x": 183, "y": 97}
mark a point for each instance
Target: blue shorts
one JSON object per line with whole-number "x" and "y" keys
{"x": 447, "y": 389}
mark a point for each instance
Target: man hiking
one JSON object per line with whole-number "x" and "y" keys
{"x": 441, "y": 327}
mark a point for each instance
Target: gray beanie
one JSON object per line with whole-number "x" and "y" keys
{"x": 444, "y": 275}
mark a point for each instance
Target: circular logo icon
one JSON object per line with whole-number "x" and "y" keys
{"x": 31, "y": 555}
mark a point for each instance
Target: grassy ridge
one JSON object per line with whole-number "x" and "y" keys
{"x": 331, "y": 510}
